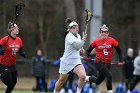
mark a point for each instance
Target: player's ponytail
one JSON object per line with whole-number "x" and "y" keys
{"x": 70, "y": 23}
{"x": 68, "y": 20}
{"x": 9, "y": 27}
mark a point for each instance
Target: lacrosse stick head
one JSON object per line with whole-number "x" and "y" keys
{"x": 89, "y": 15}
{"x": 19, "y": 8}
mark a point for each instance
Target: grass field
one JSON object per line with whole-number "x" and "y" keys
{"x": 20, "y": 91}
{"x": 25, "y": 85}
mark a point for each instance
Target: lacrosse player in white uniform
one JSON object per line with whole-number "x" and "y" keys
{"x": 71, "y": 62}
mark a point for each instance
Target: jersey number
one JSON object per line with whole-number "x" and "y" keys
{"x": 14, "y": 51}
{"x": 105, "y": 52}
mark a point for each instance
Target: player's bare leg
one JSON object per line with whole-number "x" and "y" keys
{"x": 80, "y": 71}
{"x": 62, "y": 79}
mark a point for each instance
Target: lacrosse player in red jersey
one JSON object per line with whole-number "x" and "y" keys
{"x": 104, "y": 46}
{"x": 9, "y": 46}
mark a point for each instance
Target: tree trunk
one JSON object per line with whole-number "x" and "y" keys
{"x": 41, "y": 34}
{"x": 4, "y": 18}
{"x": 70, "y": 9}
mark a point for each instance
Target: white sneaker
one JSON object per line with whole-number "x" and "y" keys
{"x": 90, "y": 90}
{"x": 110, "y": 91}
{"x": 97, "y": 90}
{"x": 78, "y": 90}
{"x": 87, "y": 78}
{"x": 70, "y": 91}
{"x": 62, "y": 90}
{"x": 128, "y": 91}
{"x": 55, "y": 91}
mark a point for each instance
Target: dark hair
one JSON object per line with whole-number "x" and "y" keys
{"x": 68, "y": 20}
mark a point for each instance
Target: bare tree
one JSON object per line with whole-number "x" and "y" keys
{"x": 70, "y": 9}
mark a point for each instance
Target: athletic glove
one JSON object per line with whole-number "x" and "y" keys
{"x": 119, "y": 64}
{"x": 1, "y": 51}
{"x": 22, "y": 53}
{"x": 85, "y": 58}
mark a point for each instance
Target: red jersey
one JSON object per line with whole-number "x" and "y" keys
{"x": 104, "y": 49}
{"x": 11, "y": 49}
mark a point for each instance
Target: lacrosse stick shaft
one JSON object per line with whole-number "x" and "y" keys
{"x": 17, "y": 13}
{"x": 86, "y": 28}
{"x": 15, "y": 20}
{"x": 112, "y": 63}
{"x": 88, "y": 18}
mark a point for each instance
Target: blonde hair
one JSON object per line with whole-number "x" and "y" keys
{"x": 9, "y": 27}
{"x": 104, "y": 28}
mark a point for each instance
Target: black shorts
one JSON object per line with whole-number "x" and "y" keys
{"x": 4, "y": 69}
{"x": 71, "y": 72}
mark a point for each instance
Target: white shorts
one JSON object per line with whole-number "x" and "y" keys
{"x": 66, "y": 66}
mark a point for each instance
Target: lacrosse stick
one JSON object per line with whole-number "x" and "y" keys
{"x": 89, "y": 16}
{"x": 18, "y": 10}
{"x": 112, "y": 63}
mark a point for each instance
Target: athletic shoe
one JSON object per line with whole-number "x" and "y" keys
{"x": 90, "y": 90}
{"x": 70, "y": 91}
{"x": 62, "y": 90}
{"x": 128, "y": 91}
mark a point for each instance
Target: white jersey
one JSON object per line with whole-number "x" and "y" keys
{"x": 70, "y": 51}
{"x": 71, "y": 56}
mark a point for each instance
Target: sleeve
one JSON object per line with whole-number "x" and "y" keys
{"x": 93, "y": 44}
{"x": 2, "y": 44}
{"x": 118, "y": 49}
{"x": 73, "y": 40}
{"x": 79, "y": 44}
{"x": 88, "y": 51}
{"x": 20, "y": 41}
{"x": 3, "y": 41}
{"x": 137, "y": 63}
{"x": 115, "y": 42}
{"x": 21, "y": 51}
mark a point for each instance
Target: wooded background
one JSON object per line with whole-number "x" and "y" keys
{"x": 42, "y": 24}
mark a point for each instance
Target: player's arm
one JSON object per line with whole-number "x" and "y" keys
{"x": 21, "y": 52}
{"x": 79, "y": 44}
{"x": 2, "y": 46}
{"x": 88, "y": 51}
{"x": 118, "y": 49}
